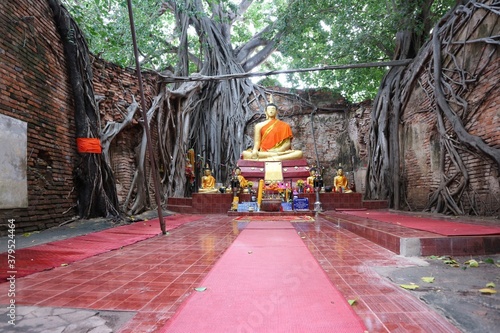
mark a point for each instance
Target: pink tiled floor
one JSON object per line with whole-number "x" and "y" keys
{"x": 153, "y": 277}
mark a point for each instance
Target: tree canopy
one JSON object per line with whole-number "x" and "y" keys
{"x": 265, "y": 35}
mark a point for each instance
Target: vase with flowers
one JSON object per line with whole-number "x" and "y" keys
{"x": 300, "y": 186}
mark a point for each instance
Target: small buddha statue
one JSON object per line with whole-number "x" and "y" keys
{"x": 310, "y": 179}
{"x": 340, "y": 182}
{"x": 272, "y": 139}
{"x": 207, "y": 182}
{"x": 241, "y": 178}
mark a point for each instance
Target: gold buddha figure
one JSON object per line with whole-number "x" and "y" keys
{"x": 340, "y": 182}
{"x": 241, "y": 179}
{"x": 272, "y": 139}
{"x": 310, "y": 179}
{"x": 207, "y": 182}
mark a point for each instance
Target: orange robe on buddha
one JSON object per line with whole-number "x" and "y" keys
{"x": 273, "y": 134}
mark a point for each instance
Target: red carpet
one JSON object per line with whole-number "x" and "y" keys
{"x": 47, "y": 256}
{"x": 267, "y": 281}
{"x": 442, "y": 227}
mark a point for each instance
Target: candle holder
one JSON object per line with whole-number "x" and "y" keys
{"x": 318, "y": 184}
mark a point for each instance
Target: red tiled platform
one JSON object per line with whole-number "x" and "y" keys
{"x": 400, "y": 240}
{"x": 410, "y": 242}
{"x": 153, "y": 277}
{"x": 220, "y": 203}
{"x": 292, "y": 169}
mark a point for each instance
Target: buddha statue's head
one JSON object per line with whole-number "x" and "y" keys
{"x": 271, "y": 110}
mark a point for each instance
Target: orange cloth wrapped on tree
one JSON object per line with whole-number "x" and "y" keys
{"x": 89, "y": 145}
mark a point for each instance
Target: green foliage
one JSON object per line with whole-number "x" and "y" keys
{"x": 314, "y": 34}
{"x": 340, "y": 32}
{"x": 106, "y": 26}
{"x": 270, "y": 81}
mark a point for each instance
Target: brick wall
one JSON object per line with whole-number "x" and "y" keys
{"x": 34, "y": 88}
{"x": 420, "y": 145}
{"x": 117, "y": 86}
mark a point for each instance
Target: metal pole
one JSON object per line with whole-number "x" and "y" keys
{"x": 146, "y": 124}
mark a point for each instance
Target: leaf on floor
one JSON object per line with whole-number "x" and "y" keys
{"x": 428, "y": 279}
{"x": 200, "y": 289}
{"x": 488, "y": 291}
{"x": 351, "y": 302}
{"x": 490, "y": 285}
{"x": 451, "y": 262}
{"x": 27, "y": 234}
{"x": 411, "y": 286}
{"x": 472, "y": 263}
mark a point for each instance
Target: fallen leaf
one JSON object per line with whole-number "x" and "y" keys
{"x": 490, "y": 285}
{"x": 488, "y": 291}
{"x": 63, "y": 265}
{"x": 450, "y": 262}
{"x": 472, "y": 263}
{"x": 351, "y": 302}
{"x": 489, "y": 261}
{"x": 409, "y": 286}
{"x": 428, "y": 279}
{"x": 200, "y": 289}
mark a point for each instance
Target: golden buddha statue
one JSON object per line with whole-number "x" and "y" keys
{"x": 310, "y": 179}
{"x": 272, "y": 139}
{"x": 241, "y": 179}
{"x": 340, "y": 182}
{"x": 207, "y": 182}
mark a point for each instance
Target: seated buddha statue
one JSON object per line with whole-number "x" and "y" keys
{"x": 207, "y": 182}
{"x": 272, "y": 139}
{"x": 340, "y": 182}
{"x": 241, "y": 179}
{"x": 310, "y": 179}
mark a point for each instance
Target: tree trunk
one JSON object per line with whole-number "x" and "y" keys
{"x": 94, "y": 180}
{"x": 448, "y": 86}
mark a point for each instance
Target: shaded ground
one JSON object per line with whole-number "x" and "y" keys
{"x": 36, "y": 319}
{"x": 75, "y": 228}
{"x": 455, "y": 290}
